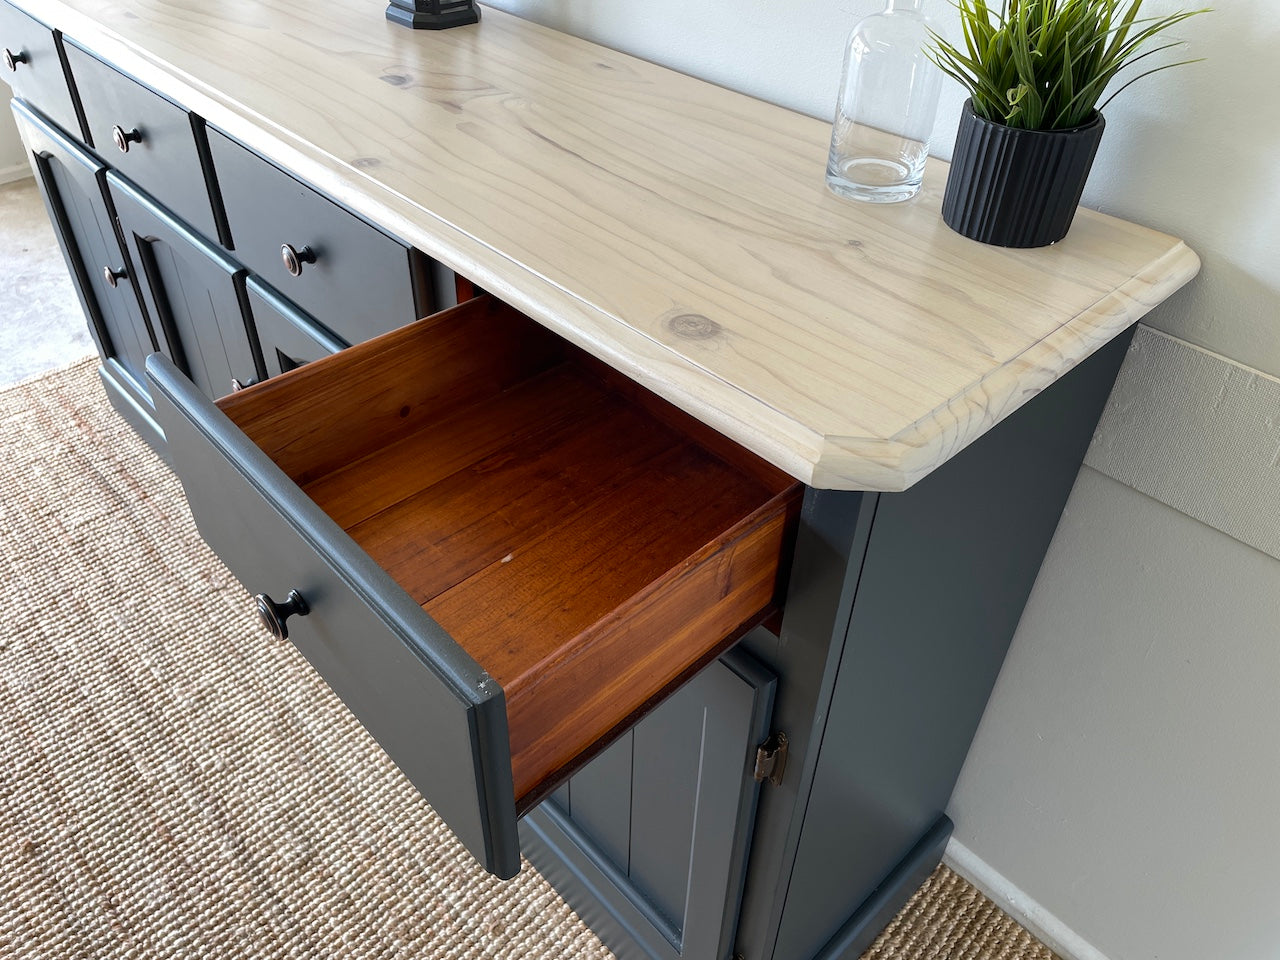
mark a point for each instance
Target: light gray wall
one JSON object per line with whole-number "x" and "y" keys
{"x": 1127, "y": 771}
{"x": 1127, "y": 774}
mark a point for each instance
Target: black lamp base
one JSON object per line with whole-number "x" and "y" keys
{"x": 433, "y": 14}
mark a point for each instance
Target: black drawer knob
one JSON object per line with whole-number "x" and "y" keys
{"x": 123, "y": 137}
{"x": 273, "y": 615}
{"x": 11, "y": 59}
{"x": 113, "y": 277}
{"x": 294, "y": 258}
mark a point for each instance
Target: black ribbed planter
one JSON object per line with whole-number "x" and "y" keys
{"x": 1017, "y": 188}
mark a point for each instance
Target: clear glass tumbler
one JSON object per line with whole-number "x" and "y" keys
{"x": 888, "y": 102}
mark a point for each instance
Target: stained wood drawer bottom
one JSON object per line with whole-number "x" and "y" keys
{"x": 588, "y": 546}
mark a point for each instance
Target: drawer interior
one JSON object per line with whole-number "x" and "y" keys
{"x": 588, "y": 544}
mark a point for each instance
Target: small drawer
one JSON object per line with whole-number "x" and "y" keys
{"x": 154, "y": 142}
{"x": 33, "y": 67}
{"x": 505, "y": 553}
{"x": 288, "y": 339}
{"x": 353, "y": 278}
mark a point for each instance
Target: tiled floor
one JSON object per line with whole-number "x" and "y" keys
{"x": 41, "y": 324}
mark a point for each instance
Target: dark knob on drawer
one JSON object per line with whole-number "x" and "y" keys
{"x": 294, "y": 258}
{"x": 123, "y": 137}
{"x": 113, "y": 277}
{"x": 273, "y": 615}
{"x": 11, "y": 59}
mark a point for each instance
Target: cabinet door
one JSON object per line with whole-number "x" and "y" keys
{"x": 649, "y": 841}
{"x": 288, "y": 338}
{"x": 194, "y": 292}
{"x": 72, "y": 183}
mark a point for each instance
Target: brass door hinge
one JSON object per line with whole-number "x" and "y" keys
{"x": 771, "y": 759}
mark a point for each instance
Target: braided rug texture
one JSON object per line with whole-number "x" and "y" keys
{"x": 175, "y": 784}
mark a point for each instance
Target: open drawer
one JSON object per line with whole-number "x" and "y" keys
{"x": 504, "y": 552}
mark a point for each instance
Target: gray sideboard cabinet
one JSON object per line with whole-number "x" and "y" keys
{"x": 791, "y": 675}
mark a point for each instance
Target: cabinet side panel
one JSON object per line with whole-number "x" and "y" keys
{"x": 949, "y": 567}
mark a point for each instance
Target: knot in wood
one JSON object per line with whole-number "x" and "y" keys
{"x": 694, "y": 326}
{"x": 395, "y": 79}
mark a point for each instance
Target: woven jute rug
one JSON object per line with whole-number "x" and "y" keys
{"x": 175, "y": 784}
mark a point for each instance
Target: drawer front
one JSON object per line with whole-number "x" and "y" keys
{"x": 287, "y": 338}
{"x": 192, "y": 292}
{"x": 143, "y": 135}
{"x": 33, "y": 67}
{"x": 355, "y": 280}
{"x": 436, "y": 713}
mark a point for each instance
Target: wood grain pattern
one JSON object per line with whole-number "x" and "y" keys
{"x": 584, "y": 549}
{"x": 316, "y": 420}
{"x": 678, "y": 231}
{"x": 526, "y": 414}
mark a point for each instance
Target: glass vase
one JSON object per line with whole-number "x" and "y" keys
{"x": 887, "y": 105}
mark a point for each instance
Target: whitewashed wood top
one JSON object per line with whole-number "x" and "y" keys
{"x": 679, "y": 231}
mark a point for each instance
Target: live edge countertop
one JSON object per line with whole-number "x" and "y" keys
{"x": 677, "y": 230}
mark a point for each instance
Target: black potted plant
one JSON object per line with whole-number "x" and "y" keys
{"x": 1035, "y": 70}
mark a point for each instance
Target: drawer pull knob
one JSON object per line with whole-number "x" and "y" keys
{"x": 294, "y": 258}
{"x": 123, "y": 137}
{"x": 11, "y": 59}
{"x": 273, "y": 615}
{"x": 113, "y": 277}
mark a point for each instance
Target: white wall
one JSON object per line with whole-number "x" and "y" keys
{"x": 13, "y": 161}
{"x": 1127, "y": 773}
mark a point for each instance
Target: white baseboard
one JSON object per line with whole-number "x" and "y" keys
{"x": 18, "y": 171}
{"x": 1042, "y": 924}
